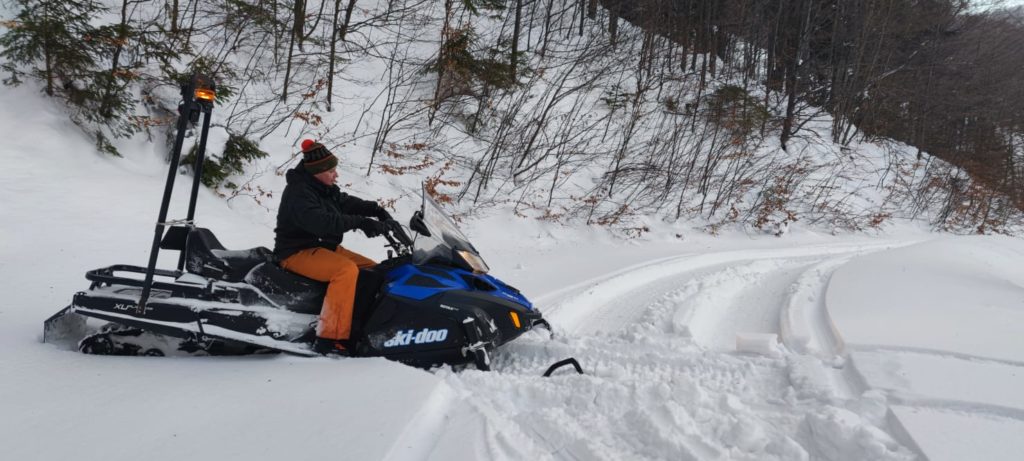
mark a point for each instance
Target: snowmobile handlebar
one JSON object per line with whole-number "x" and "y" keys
{"x": 397, "y": 238}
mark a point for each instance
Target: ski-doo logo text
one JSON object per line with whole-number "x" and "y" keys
{"x": 424, "y": 336}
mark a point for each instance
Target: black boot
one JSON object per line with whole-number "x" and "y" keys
{"x": 326, "y": 346}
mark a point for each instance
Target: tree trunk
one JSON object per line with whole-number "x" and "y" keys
{"x": 516, "y": 29}
{"x": 793, "y": 39}
{"x": 288, "y": 66}
{"x": 583, "y": 15}
{"x": 348, "y": 20}
{"x": 174, "y": 16}
{"x": 331, "y": 58}
{"x": 613, "y": 26}
{"x": 47, "y": 55}
{"x": 298, "y": 21}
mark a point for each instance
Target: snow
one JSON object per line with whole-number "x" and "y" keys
{"x": 758, "y": 343}
{"x": 70, "y": 406}
{"x": 956, "y": 295}
{"x": 900, "y": 346}
{"x": 936, "y": 326}
{"x": 952, "y": 435}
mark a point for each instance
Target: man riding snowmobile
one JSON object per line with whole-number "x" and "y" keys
{"x": 311, "y": 221}
{"x": 431, "y": 302}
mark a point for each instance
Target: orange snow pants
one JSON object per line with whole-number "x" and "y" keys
{"x": 340, "y": 268}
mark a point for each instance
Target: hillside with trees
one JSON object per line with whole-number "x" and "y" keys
{"x": 840, "y": 114}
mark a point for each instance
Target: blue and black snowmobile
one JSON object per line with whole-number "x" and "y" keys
{"x": 431, "y": 302}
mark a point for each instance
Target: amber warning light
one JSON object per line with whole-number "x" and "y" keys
{"x": 205, "y": 94}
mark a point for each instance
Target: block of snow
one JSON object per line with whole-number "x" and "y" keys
{"x": 758, "y": 343}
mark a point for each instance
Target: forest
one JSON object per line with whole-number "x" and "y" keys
{"x": 733, "y": 112}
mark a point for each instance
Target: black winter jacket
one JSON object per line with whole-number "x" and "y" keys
{"x": 313, "y": 214}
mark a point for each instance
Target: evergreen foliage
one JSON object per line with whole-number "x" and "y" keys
{"x": 466, "y": 69}
{"x": 56, "y": 42}
{"x": 90, "y": 68}
{"x": 224, "y": 74}
{"x": 733, "y": 108}
{"x": 238, "y": 151}
{"x": 474, "y": 6}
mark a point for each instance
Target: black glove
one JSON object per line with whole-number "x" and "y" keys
{"x": 381, "y": 214}
{"x": 371, "y": 227}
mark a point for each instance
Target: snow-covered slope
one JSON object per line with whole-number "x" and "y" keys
{"x": 676, "y": 335}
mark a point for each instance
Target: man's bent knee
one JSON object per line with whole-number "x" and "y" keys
{"x": 346, "y": 272}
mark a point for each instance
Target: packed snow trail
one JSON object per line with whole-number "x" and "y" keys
{"x": 663, "y": 380}
{"x": 606, "y": 302}
{"x": 806, "y": 324}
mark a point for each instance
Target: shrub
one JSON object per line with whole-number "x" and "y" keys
{"x": 734, "y": 109}
{"x": 238, "y": 151}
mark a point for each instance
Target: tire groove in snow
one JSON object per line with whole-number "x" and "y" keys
{"x": 806, "y": 325}
{"x": 934, "y": 353}
{"x": 899, "y": 398}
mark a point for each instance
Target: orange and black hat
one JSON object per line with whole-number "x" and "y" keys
{"x": 316, "y": 158}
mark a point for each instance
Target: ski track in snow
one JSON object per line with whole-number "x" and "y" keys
{"x": 664, "y": 379}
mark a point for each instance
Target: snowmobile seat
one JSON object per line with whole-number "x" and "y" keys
{"x": 288, "y": 289}
{"x": 305, "y": 295}
{"x": 206, "y": 256}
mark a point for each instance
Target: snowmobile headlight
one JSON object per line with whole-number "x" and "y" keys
{"x": 474, "y": 261}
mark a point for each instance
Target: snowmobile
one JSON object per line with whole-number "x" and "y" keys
{"x": 431, "y": 302}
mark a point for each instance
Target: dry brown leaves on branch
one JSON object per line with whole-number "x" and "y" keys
{"x": 433, "y": 182}
{"x": 551, "y": 216}
{"x": 773, "y": 209}
{"x": 401, "y": 170}
{"x": 316, "y": 89}
{"x": 310, "y": 118}
{"x": 878, "y": 219}
{"x": 614, "y": 218}
{"x": 389, "y": 203}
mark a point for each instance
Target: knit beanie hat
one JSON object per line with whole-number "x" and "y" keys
{"x": 316, "y": 158}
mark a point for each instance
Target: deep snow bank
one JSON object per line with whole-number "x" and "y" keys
{"x": 957, "y": 295}
{"x": 936, "y": 327}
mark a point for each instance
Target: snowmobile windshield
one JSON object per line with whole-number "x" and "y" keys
{"x": 446, "y": 243}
